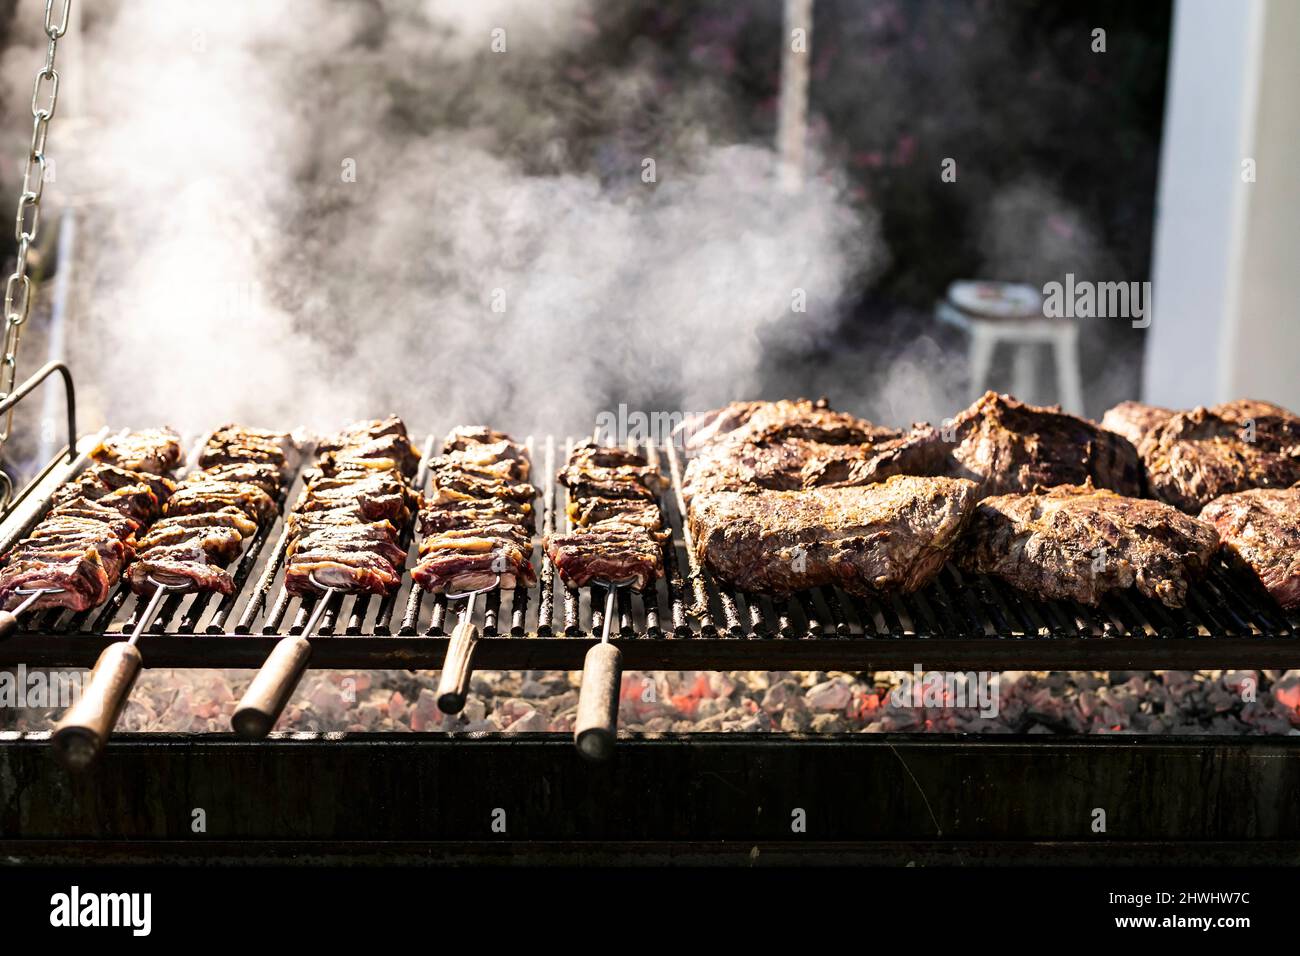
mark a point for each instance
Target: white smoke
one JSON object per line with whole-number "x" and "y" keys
{"x": 234, "y": 270}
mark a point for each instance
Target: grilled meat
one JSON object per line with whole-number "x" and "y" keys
{"x": 234, "y": 444}
{"x": 200, "y": 496}
{"x": 477, "y": 523}
{"x": 1260, "y": 530}
{"x": 214, "y": 510}
{"x": 221, "y": 539}
{"x": 1079, "y": 543}
{"x": 155, "y": 451}
{"x": 595, "y": 471}
{"x": 609, "y": 552}
{"x": 77, "y": 578}
{"x": 383, "y": 438}
{"x": 886, "y": 537}
{"x": 777, "y": 421}
{"x": 344, "y": 528}
{"x": 471, "y": 558}
{"x": 474, "y": 513}
{"x": 81, "y": 546}
{"x": 1008, "y": 447}
{"x": 791, "y": 464}
{"x": 584, "y": 512}
{"x": 454, "y": 479}
{"x": 263, "y": 475}
{"x": 134, "y": 494}
{"x": 613, "y": 507}
{"x": 1134, "y": 420}
{"x": 1205, "y": 453}
{"x": 172, "y": 564}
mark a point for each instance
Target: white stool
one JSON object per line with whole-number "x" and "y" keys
{"x": 1021, "y": 333}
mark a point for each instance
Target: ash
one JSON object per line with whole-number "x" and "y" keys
{"x": 511, "y": 702}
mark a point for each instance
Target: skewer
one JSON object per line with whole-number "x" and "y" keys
{"x": 9, "y": 619}
{"x": 275, "y": 683}
{"x": 453, "y": 683}
{"x": 85, "y": 728}
{"x": 596, "y": 727}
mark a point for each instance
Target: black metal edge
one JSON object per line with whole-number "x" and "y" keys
{"x": 697, "y": 653}
{"x": 653, "y": 853}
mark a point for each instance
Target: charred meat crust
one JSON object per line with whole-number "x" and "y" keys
{"x": 893, "y": 536}
{"x": 1202, "y": 454}
{"x": 82, "y": 545}
{"x": 345, "y": 528}
{"x": 617, "y": 530}
{"x": 1081, "y": 543}
{"x": 1260, "y": 531}
{"x": 476, "y": 523}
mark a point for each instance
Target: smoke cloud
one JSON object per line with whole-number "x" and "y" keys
{"x": 364, "y": 207}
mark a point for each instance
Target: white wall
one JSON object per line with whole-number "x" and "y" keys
{"x": 1227, "y": 252}
{"x": 1201, "y": 201}
{"x": 1262, "y": 348}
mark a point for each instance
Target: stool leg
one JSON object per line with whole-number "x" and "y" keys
{"x": 1022, "y": 372}
{"x": 981, "y": 359}
{"x": 1068, "y": 377}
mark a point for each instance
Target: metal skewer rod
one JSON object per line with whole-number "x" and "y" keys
{"x": 453, "y": 682}
{"x": 596, "y": 727}
{"x": 9, "y": 619}
{"x": 269, "y": 693}
{"x": 85, "y": 728}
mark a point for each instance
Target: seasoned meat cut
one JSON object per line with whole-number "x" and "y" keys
{"x": 1205, "y": 453}
{"x": 1133, "y": 420}
{"x": 1079, "y": 543}
{"x": 154, "y": 451}
{"x": 79, "y": 549}
{"x": 885, "y": 537}
{"x": 776, "y": 421}
{"x": 1260, "y": 529}
{"x": 345, "y": 528}
{"x": 617, "y": 528}
{"x": 1009, "y": 446}
{"x": 476, "y": 525}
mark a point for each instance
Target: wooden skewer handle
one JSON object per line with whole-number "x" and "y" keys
{"x": 596, "y": 728}
{"x": 85, "y": 728}
{"x": 453, "y": 684}
{"x": 8, "y": 622}
{"x": 267, "y": 695}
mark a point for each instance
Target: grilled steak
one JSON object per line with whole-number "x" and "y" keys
{"x": 477, "y": 523}
{"x": 383, "y": 438}
{"x": 776, "y": 421}
{"x": 892, "y": 536}
{"x": 793, "y": 463}
{"x": 613, "y": 506}
{"x": 155, "y": 451}
{"x": 78, "y": 550}
{"x": 344, "y": 529}
{"x": 1260, "y": 530}
{"x": 172, "y": 564}
{"x": 214, "y": 510}
{"x": 1008, "y": 446}
{"x": 1133, "y": 420}
{"x": 1199, "y": 455}
{"x": 1079, "y": 543}
{"x": 609, "y": 552}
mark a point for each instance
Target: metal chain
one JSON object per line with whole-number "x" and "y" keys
{"x": 18, "y": 291}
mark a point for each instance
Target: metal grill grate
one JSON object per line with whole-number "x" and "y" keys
{"x": 686, "y": 622}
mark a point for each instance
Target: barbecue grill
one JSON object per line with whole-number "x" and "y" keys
{"x": 686, "y": 622}
{"x": 983, "y": 799}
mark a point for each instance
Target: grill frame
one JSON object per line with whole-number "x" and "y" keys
{"x": 958, "y": 622}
